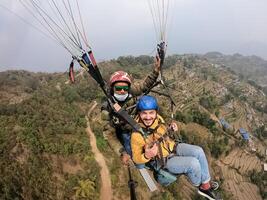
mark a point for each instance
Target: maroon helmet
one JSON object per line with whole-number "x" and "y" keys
{"x": 120, "y": 76}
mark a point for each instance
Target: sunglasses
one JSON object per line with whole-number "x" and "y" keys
{"x": 120, "y": 88}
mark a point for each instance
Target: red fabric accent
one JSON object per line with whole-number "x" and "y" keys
{"x": 92, "y": 58}
{"x": 71, "y": 72}
{"x": 205, "y": 186}
{"x": 72, "y": 77}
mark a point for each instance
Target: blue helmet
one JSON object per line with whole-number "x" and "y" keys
{"x": 147, "y": 102}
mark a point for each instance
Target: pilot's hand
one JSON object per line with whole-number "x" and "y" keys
{"x": 151, "y": 152}
{"x": 173, "y": 126}
{"x": 157, "y": 64}
{"x": 125, "y": 158}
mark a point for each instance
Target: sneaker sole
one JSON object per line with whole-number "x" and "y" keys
{"x": 205, "y": 195}
{"x": 214, "y": 185}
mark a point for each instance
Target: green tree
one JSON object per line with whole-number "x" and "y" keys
{"x": 260, "y": 179}
{"x": 202, "y": 118}
{"x": 208, "y": 102}
{"x": 86, "y": 189}
{"x": 71, "y": 95}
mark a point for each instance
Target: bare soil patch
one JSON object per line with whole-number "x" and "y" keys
{"x": 106, "y": 188}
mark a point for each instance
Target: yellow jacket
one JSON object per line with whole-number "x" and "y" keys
{"x": 138, "y": 141}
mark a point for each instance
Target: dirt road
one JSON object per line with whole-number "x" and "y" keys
{"x": 106, "y": 189}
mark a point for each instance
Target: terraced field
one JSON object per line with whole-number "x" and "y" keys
{"x": 242, "y": 161}
{"x": 187, "y": 190}
{"x": 235, "y": 168}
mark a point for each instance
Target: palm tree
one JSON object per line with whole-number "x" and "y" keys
{"x": 86, "y": 188}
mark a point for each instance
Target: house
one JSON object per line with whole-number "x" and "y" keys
{"x": 244, "y": 134}
{"x": 225, "y": 124}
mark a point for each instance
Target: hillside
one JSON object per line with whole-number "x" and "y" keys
{"x": 46, "y": 153}
{"x": 44, "y": 149}
{"x": 249, "y": 67}
{"x": 205, "y": 93}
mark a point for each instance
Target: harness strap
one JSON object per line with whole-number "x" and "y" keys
{"x": 161, "y": 159}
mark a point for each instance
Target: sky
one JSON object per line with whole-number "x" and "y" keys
{"x": 125, "y": 27}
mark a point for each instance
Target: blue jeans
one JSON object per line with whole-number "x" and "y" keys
{"x": 126, "y": 138}
{"x": 191, "y": 161}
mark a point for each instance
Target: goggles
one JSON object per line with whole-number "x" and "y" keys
{"x": 120, "y": 88}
